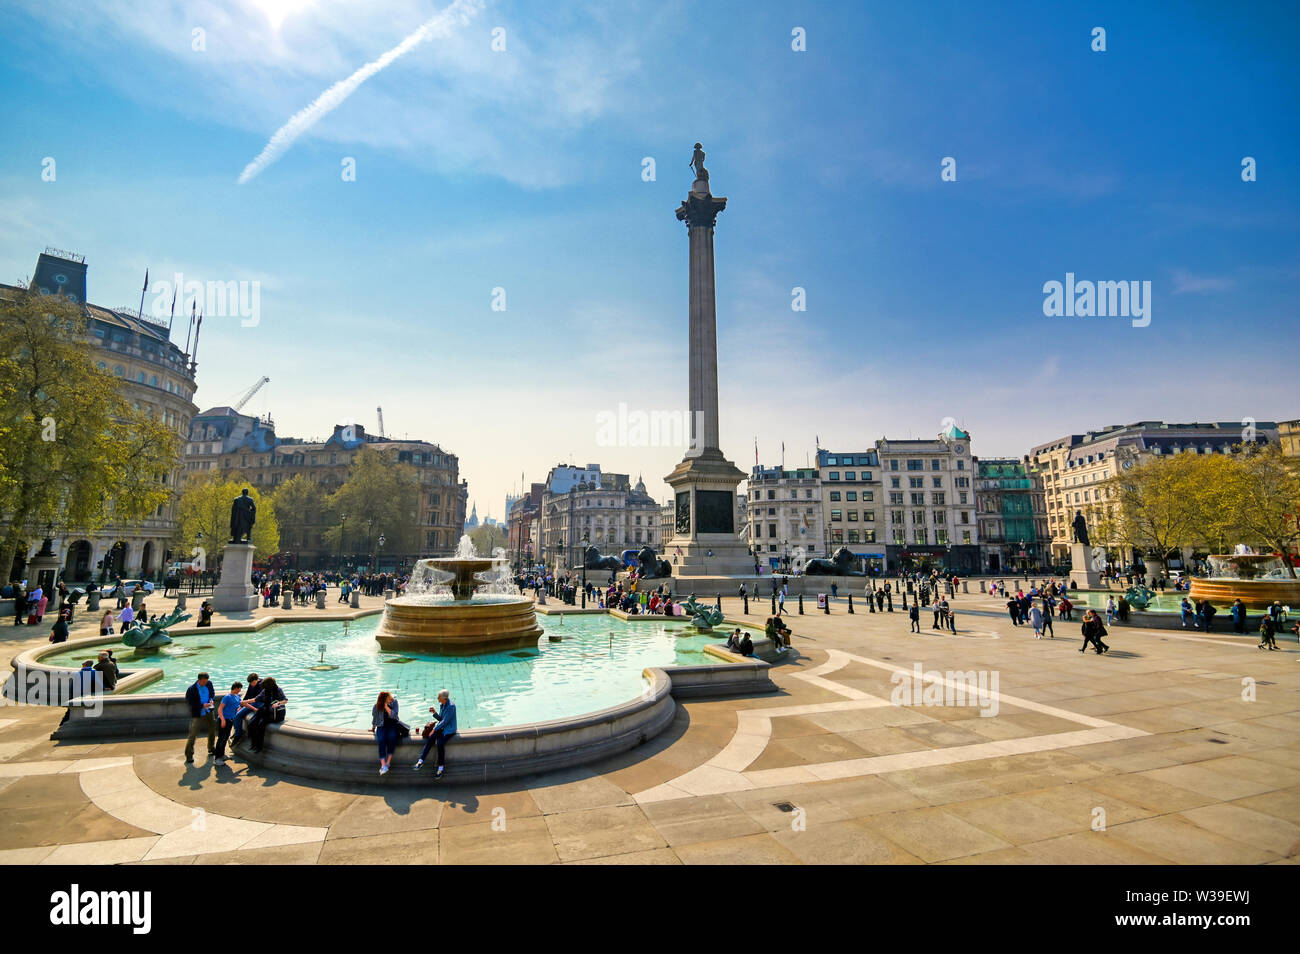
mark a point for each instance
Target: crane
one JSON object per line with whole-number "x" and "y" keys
{"x": 248, "y": 395}
{"x": 380, "y": 412}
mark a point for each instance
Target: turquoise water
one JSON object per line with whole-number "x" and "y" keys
{"x": 597, "y": 664}
{"x": 1168, "y": 603}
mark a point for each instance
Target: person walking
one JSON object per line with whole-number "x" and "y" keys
{"x": 1036, "y": 617}
{"x": 385, "y": 724}
{"x": 437, "y": 733}
{"x": 227, "y": 713}
{"x": 1267, "y": 631}
{"x": 1047, "y": 618}
{"x": 1093, "y": 631}
{"x": 914, "y": 615}
{"x": 199, "y": 697}
{"x": 1111, "y": 609}
{"x": 126, "y": 618}
{"x": 106, "y": 623}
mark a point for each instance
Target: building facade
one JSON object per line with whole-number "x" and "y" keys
{"x": 1012, "y": 515}
{"x": 1073, "y": 468}
{"x": 596, "y": 509}
{"x": 851, "y": 505}
{"x": 783, "y": 518}
{"x": 929, "y": 497}
{"x": 158, "y": 378}
{"x": 242, "y": 447}
{"x": 1288, "y": 435}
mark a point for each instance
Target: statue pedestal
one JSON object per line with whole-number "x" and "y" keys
{"x": 234, "y": 592}
{"x": 704, "y": 488}
{"x": 1081, "y": 571}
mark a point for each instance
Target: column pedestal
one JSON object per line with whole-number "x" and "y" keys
{"x": 234, "y": 592}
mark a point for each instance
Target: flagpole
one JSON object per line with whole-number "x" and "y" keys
{"x": 193, "y": 305}
{"x": 140, "y": 311}
{"x": 172, "y": 318}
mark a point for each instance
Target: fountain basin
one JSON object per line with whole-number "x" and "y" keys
{"x": 1256, "y": 594}
{"x": 458, "y": 627}
{"x": 1257, "y": 579}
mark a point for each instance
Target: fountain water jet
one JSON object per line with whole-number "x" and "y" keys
{"x": 461, "y": 604}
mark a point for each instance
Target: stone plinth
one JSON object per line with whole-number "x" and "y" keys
{"x": 1081, "y": 571}
{"x": 234, "y": 592}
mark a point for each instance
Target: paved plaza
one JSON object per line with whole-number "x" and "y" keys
{"x": 1173, "y": 748}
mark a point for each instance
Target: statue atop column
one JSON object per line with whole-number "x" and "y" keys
{"x": 1080, "y": 529}
{"x": 243, "y": 514}
{"x": 697, "y": 163}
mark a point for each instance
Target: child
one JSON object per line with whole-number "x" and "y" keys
{"x": 229, "y": 708}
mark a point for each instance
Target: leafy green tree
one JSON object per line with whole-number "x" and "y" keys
{"x": 205, "y": 508}
{"x": 380, "y": 496}
{"x": 74, "y": 453}
{"x": 487, "y": 538}
{"x": 296, "y": 501}
{"x": 1262, "y": 501}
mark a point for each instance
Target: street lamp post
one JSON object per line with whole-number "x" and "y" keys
{"x": 586, "y": 542}
{"x": 343, "y": 530}
{"x": 382, "y": 540}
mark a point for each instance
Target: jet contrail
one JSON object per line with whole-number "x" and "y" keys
{"x": 459, "y": 13}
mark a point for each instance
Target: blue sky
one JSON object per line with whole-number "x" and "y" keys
{"x": 522, "y": 170}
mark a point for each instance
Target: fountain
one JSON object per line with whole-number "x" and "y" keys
{"x": 459, "y": 605}
{"x": 1257, "y": 580}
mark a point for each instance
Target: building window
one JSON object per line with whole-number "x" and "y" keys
{"x": 869, "y": 516}
{"x": 834, "y": 475}
{"x": 937, "y": 499}
{"x": 851, "y": 495}
{"x": 835, "y": 495}
{"x": 918, "y": 500}
{"x": 853, "y": 516}
{"x": 896, "y": 499}
{"x": 849, "y": 475}
{"x": 837, "y": 516}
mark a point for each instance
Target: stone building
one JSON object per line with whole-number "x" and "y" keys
{"x": 158, "y": 378}
{"x": 784, "y": 513}
{"x": 929, "y": 494}
{"x": 1073, "y": 467}
{"x": 1012, "y": 514}
{"x": 243, "y": 447}
{"x": 522, "y": 525}
{"x": 851, "y": 497}
{"x": 582, "y": 508}
{"x": 1288, "y": 434}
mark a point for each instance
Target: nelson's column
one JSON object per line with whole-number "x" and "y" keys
{"x": 704, "y": 539}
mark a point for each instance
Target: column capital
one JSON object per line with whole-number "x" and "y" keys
{"x": 700, "y": 209}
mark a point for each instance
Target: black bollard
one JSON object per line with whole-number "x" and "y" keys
{"x": 826, "y": 607}
{"x": 773, "y": 604}
{"x": 746, "y": 604}
{"x": 850, "y": 602}
{"x": 871, "y": 602}
{"x": 718, "y": 602}
{"x": 800, "y": 604}
{"x": 889, "y": 600}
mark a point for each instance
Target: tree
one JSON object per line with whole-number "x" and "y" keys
{"x": 73, "y": 451}
{"x": 380, "y": 496}
{"x": 487, "y": 538}
{"x": 205, "y": 508}
{"x": 1162, "y": 503}
{"x": 1262, "y": 500}
{"x": 295, "y": 501}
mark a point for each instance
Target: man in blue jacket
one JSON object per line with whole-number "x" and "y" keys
{"x": 443, "y": 730}
{"x": 201, "y": 702}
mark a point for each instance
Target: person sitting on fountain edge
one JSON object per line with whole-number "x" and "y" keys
{"x": 437, "y": 733}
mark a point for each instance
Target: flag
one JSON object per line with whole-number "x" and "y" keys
{"x": 146, "y": 281}
{"x": 173, "y": 316}
{"x": 755, "y": 451}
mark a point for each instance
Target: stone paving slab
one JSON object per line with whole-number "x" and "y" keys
{"x": 1155, "y": 738}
